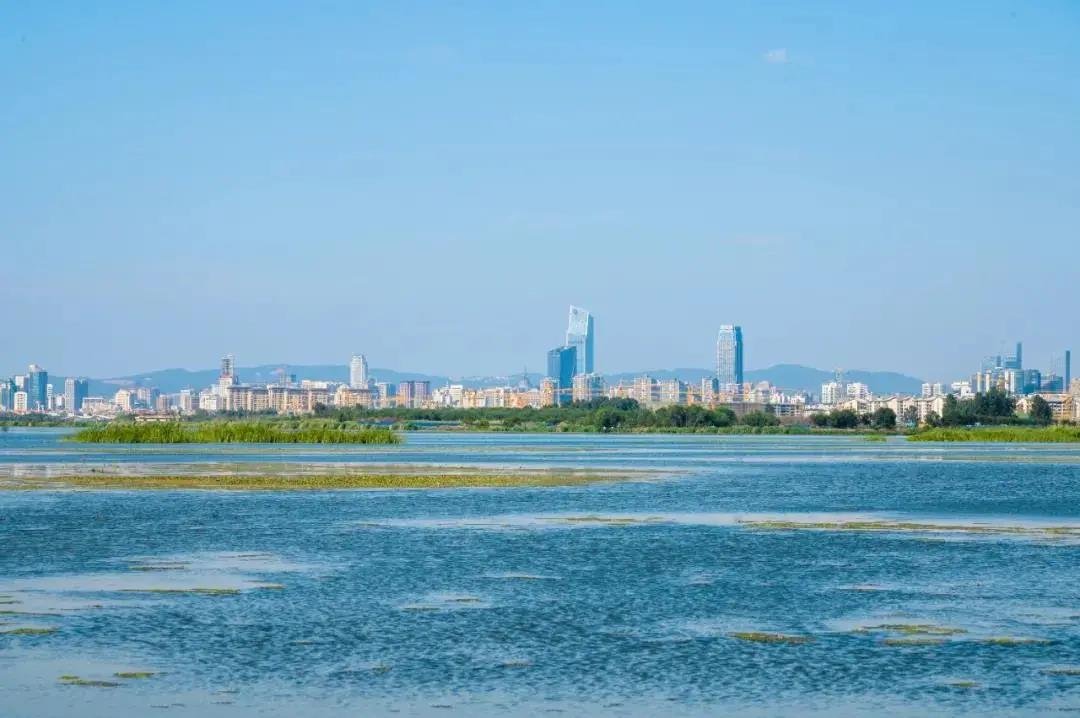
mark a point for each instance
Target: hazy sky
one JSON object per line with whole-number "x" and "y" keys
{"x": 865, "y": 185}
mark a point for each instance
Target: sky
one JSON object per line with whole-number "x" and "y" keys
{"x": 891, "y": 186}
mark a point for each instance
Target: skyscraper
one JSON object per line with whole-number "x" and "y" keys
{"x": 358, "y": 378}
{"x": 579, "y": 334}
{"x": 561, "y": 367}
{"x": 75, "y": 390}
{"x": 729, "y": 355}
{"x": 1068, "y": 369}
{"x": 37, "y": 392}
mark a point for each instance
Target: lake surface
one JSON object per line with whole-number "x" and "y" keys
{"x": 947, "y": 581}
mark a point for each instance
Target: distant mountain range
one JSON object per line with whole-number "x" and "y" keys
{"x": 788, "y": 376}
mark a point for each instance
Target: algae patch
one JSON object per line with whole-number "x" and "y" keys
{"x": 87, "y": 682}
{"x": 766, "y": 637}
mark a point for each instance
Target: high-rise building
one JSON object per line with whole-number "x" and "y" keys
{"x": 580, "y": 335}
{"x": 37, "y": 396}
{"x": 7, "y": 394}
{"x": 729, "y": 355}
{"x": 75, "y": 390}
{"x": 358, "y": 378}
{"x": 561, "y": 367}
{"x": 1068, "y": 369}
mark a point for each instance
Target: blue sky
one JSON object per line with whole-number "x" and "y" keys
{"x": 886, "y": 186}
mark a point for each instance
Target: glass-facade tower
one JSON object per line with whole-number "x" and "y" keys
{"x": 37, "y": 391}
{"x": 561, "y": 367}
{"x": 729, "y": 355}
{"x": 580, "y": 335}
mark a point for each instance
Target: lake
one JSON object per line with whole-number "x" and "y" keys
{"x": 742, "y": 576}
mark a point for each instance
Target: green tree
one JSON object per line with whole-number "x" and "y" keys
{"x": 1041, "y": 413}
{"x": 883, "y": 418}
{"x": 911, "y": 415}
{"x": 759, "y": 419}
{"x": 844, "y": 419}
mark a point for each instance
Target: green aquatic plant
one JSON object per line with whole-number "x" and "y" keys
{"x": 69, "y": 680}
{"x": 29, "y": 631}
{"x": 913, "y": 641}
{"x": 135, "y": 675}
{"x": 1001, "y": 434}
{"x": 765, "y": 637}
{"x": 193, "y": 591}
{"x": 914, "y": 629}
{"x": 239, "y": 482}
{"x": 232, "y": 432}
{"x": 1014, "y": 641}
{"x": 962, "y": 683}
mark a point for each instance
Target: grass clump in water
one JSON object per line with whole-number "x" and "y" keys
{"x": 913, "y": 641}
{"x": 1002, "y": 434}
{"x": 915, "y": 629}
{"x": 1015, "y": 641}
{"x": 69, "y": 680}
{"x": 766, "y": 637}
{"x": 135, "y": 675}
{"x": 194, "y": 591}
{"x": 235, "y": 482}
{"x": 29, "y": 631}
{"x": 233, "y": 432}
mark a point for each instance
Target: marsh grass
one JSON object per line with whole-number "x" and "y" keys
{"x": 908, "y": 526}
{"x": 1002, "y": 434}
{"x": 29, "y": 631}
{"x": 913, "y": 629}
{"x": 765, "y": 637}
{"x": 1015, "y": 641}
{"x": 913, "y": 641}
{"x": 69, "y": 680}
{"x": 135, "y": 675}
{"x": 192, "y": 591}
{"x": 323, "y": 482}
{"x": 233, "y": 432}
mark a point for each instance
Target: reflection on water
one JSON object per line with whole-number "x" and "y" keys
{"x": 758, "y": 576}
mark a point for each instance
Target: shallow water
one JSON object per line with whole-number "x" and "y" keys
{"x": 606, "y": 599}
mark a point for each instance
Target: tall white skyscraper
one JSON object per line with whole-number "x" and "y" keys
{"x": 358, "y": 378}
{"x": 729, "y": 355}
{"x": 580, "y": 334}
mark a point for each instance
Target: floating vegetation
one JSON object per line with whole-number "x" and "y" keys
{"x": 913, "y": 641}
{"x": 1002, "y": 434}
{"x": 764, "y": 637}
{"x": 135, "y": 675}
{"x": 884, "y": 525}
{"x": 232, "y": 432}
{"x": 477, "y": 478}
{"x": 1015, "y": 641}
{"x": 913, "y": 629}
{"x": 962, "y": 683}
{"x": 271, "y": 586}
{"x": 608, "y": 520}
{"x": 93, "y": 683}
{"x": 196, "y": 591}
{"x": 29, "y": 631}
{"x": 419, "y": 607}
{"x": 1063, "y": 671}
{"x": 516, "y": 663}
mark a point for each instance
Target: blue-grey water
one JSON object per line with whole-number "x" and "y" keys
{"x": 614, "y": 598}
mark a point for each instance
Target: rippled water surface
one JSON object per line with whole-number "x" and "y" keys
{"x": 745, "y": 576}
